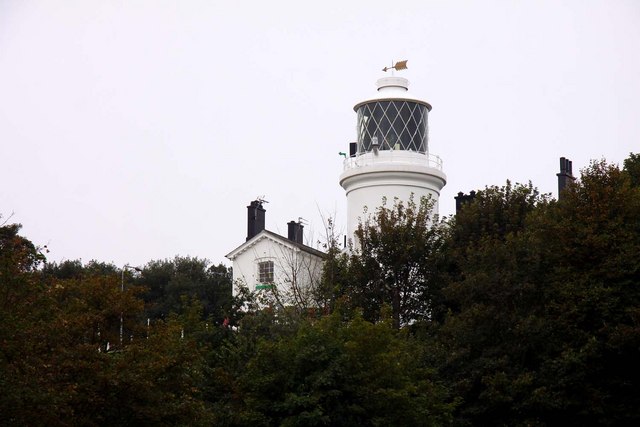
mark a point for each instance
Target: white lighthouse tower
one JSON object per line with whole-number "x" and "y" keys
{"x": 391, "y": 157}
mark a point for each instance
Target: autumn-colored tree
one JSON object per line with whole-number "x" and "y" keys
{"x": 21, "y": 297}
{"x": 61, "y": 362}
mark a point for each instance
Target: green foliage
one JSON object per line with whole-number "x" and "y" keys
{"x": 395, "y": 251}
{"x": 490, "y": 335}
{"x": 168, "y": 281}
{"x": 543, "y": 322}
{"x": 392, "y": 265}
{"x": 336, "y": 280}
{"x": 494, "y": 214}
{"x": 592, "y": 241}
{"x": 74, "y": 269}
{"x": 342, "y": 283}
{"x": 518, "y": 311}
{"x": 632, "y": 168}
{"x": 337, "y": 373}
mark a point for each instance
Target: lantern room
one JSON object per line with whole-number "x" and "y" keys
{"x": 392, "y": 121}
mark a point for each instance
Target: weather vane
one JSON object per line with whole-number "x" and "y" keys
{"x": 400, "y": 65}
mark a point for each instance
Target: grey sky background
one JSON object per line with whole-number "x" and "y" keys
{"x": 139, "y": 130}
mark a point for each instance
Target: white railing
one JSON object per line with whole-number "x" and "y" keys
{"x": 394, "y": 157}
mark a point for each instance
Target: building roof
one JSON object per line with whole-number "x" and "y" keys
{"x": 266, "y": 234}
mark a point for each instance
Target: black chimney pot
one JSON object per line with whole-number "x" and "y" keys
{"x": 295, "y": 230}
{"x": 565, "y": 177}
{"x": 255, "y": 218}
{"x": 462, "y": 199}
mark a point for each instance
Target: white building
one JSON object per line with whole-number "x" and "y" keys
{"x": 267, "y": 261}
{"x": 391, "y": 157}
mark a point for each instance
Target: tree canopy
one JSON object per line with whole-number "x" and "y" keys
{"x": 543, "y": 306}
{"x": 519, "y": 310}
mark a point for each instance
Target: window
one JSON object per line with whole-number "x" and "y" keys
{"x": 265, "y": 272}
{"x": 398, "y": 125}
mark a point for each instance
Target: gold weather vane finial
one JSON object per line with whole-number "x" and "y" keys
{"x": 400, "y": 65}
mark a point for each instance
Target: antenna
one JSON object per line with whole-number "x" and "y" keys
{"x": 400, "y": 65}
{"x": 262, "y": 199}
{"x": 302, "y": 220}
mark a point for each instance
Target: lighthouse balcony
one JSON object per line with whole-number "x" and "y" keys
{"x": 393, "y": 157}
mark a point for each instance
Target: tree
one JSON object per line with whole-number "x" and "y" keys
{"x": 334, "y": 373}
{"x": 296, "y": 280}
{"x": 167, "y": 281}
{"x": 394, "y": 262}
{"x": 75, "y": 269}
{"x": 489, "y": 335}
{"x": 543, "y": 303}
{"x": 65, "y": 367}
{"x": 494, "y": 214}
{"x": 60, "y": 359}
{"x": 632, "y": 168}
{"x": 592, "y": 240}
{"x": 336, "y": 280}
{"x": 21, "y": 297}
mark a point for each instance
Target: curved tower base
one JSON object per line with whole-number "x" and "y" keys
{"x": 369, "y": 178}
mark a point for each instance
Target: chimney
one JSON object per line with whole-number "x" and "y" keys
{"x": 295, "y": 231}
{"x": 565, "y": 177}
{"x": 255, "y": 218}
{"x": 462, "y": 199}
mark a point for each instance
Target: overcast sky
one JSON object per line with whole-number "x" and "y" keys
{"x": 139, "y": 130}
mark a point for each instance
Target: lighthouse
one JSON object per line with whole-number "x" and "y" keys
{"x": 391, "y": 157}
